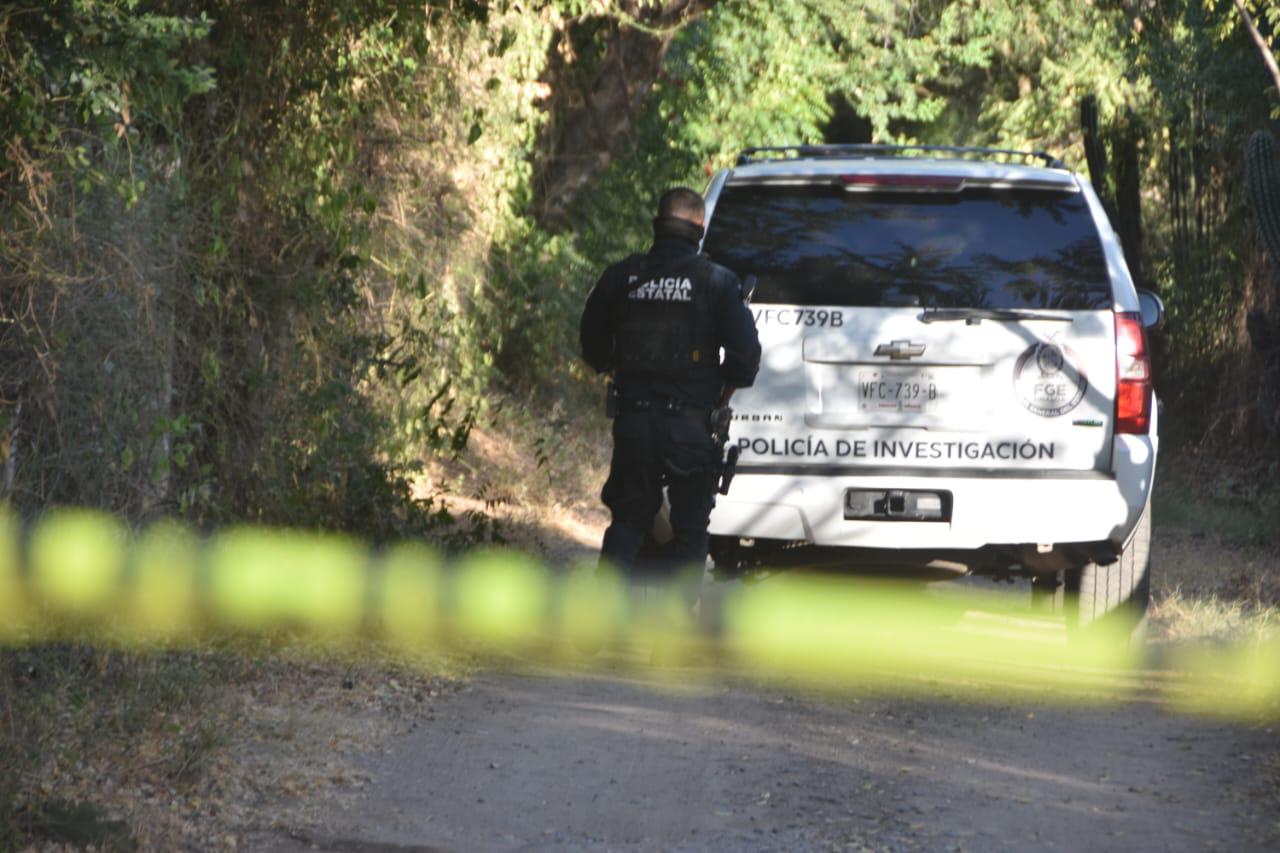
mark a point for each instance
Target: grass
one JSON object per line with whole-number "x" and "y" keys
{"x": 1236, "y": 506}
{"x": 118, "y": 750}
{"x": 1216, "y": 553}
{"x": 1184, "y": 618}
{"x": 70, "y": 706}
{"x": 535, "y": 465}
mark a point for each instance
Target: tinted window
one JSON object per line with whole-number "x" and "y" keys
{"x": 981, "y": 248}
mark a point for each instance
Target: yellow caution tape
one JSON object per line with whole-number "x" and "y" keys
{"x": 14, "y": 607}
{"x": 82, "y": 572}
{"x": 500, "y": 597}
{"x": 77, "y": 561}
{"x": 162, "y": 599}
{"x": 261, "y": 579}
{"x": 408, "y": 603}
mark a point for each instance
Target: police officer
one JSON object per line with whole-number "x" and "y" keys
{"x": 658, "y": 322}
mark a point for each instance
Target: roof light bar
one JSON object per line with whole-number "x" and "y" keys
{"x": 959, "y": 152}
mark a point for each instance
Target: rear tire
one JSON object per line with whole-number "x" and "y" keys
{"x": 1116, "y": 596}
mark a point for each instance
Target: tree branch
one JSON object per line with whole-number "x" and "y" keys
{"x": 1263, "y": 47}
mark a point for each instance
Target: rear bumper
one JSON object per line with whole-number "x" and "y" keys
{"x": 988, "y": 508}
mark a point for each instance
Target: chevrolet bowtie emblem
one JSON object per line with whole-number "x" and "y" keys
{"x": 900, "y": 350}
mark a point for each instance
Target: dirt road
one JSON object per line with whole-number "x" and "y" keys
{"x": 614, "y": 759}
{"x": 609, "y": 761}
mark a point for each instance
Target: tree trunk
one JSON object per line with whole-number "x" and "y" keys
{"x": 1127, "y": 169}
{"x": 600, "y": 69}
{"x": 9, "y": 444}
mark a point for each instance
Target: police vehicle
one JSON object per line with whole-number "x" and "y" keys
{"x": 955, "y": 380}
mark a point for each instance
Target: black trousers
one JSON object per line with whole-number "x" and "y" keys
{"x": 651, "y": 450}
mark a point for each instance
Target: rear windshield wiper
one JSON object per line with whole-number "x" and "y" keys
{"x": 973, "y": 316}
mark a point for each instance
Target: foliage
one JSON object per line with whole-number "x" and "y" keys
{"x": 1208, "y": 93}
{"x": 91, "y": 99}
{"x": 767, "y": 74}
{"x": 1029, "y": 65}
{"x": 282, "y": 251}
{"x": 77, "y": 75}
{"x": 308, "y": 335}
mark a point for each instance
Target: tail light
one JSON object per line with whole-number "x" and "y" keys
{"x": 1133, "y": 375}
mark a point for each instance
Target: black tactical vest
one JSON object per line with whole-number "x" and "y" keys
{"x": 662, "y": 320}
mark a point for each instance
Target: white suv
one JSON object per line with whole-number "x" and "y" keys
{"x": 955, "y": 376}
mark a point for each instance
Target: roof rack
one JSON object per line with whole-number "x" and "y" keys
{"x": 818, "y": 151}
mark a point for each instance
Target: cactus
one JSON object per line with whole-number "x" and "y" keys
{"x": 1262, "y": 172}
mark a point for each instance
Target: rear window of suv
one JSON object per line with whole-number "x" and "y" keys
{"x": 819, "y": 244}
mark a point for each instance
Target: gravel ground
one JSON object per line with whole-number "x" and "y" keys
{"x": 562, "y": 760}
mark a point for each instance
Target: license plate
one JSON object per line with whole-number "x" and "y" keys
{"x": 911, "y": 391}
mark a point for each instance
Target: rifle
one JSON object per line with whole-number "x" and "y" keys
{"x": 722, "y": 417}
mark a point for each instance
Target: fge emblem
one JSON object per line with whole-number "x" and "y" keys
{"x": 1048, "y": 380}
